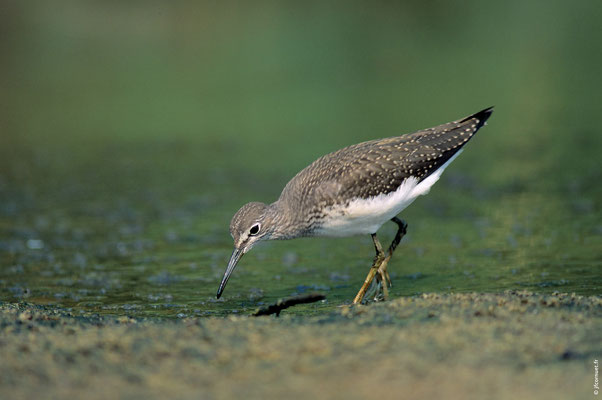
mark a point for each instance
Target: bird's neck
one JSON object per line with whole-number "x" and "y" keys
{"x": 282, "y": 218}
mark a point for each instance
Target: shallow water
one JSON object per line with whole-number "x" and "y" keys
{"x": 134, "y": 243}
{"x": 117, "y": 184}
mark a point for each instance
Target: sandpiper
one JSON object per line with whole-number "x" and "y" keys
{"x": 354, "y": 191}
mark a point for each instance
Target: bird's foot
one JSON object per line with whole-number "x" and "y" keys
{"x": 375, "y": 292}
{"x": 378, "y": 281}
{"x": 369, "y": 283}
{"x": 379, "y": 289}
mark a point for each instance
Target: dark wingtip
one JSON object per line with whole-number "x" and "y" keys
{"x": 482, "y": 115}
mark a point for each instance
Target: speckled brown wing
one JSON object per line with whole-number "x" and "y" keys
{"x": 380, "y": 166}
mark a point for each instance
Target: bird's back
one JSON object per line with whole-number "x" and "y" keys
{"x": 377, "y": 167}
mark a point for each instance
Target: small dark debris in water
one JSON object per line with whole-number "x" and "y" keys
{"x": 282, "y": 304}
{"x": 568, "y": 355}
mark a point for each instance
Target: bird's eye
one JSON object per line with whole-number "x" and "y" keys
{"x": 254, "y": 230}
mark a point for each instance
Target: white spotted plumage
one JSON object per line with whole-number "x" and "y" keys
{"x": 366, "y": 216}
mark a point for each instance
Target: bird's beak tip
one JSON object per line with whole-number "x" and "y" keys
{"x": 236, "y": 255}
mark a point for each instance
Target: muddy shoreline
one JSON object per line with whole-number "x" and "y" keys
{"x": 459, "y": 346}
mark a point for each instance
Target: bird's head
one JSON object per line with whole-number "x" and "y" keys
{"x": 249, "y": 226}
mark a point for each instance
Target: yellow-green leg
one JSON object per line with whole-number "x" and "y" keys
{"x": 379, "y": 267}
{"x": 378, "y": 259}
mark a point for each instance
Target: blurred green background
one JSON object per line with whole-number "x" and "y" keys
{"x": 132, "y": 131}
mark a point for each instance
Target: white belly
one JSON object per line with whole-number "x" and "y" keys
{"x": 366, "y": 216}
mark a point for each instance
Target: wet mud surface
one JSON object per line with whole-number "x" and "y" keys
{"x": 454, "y": 346}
